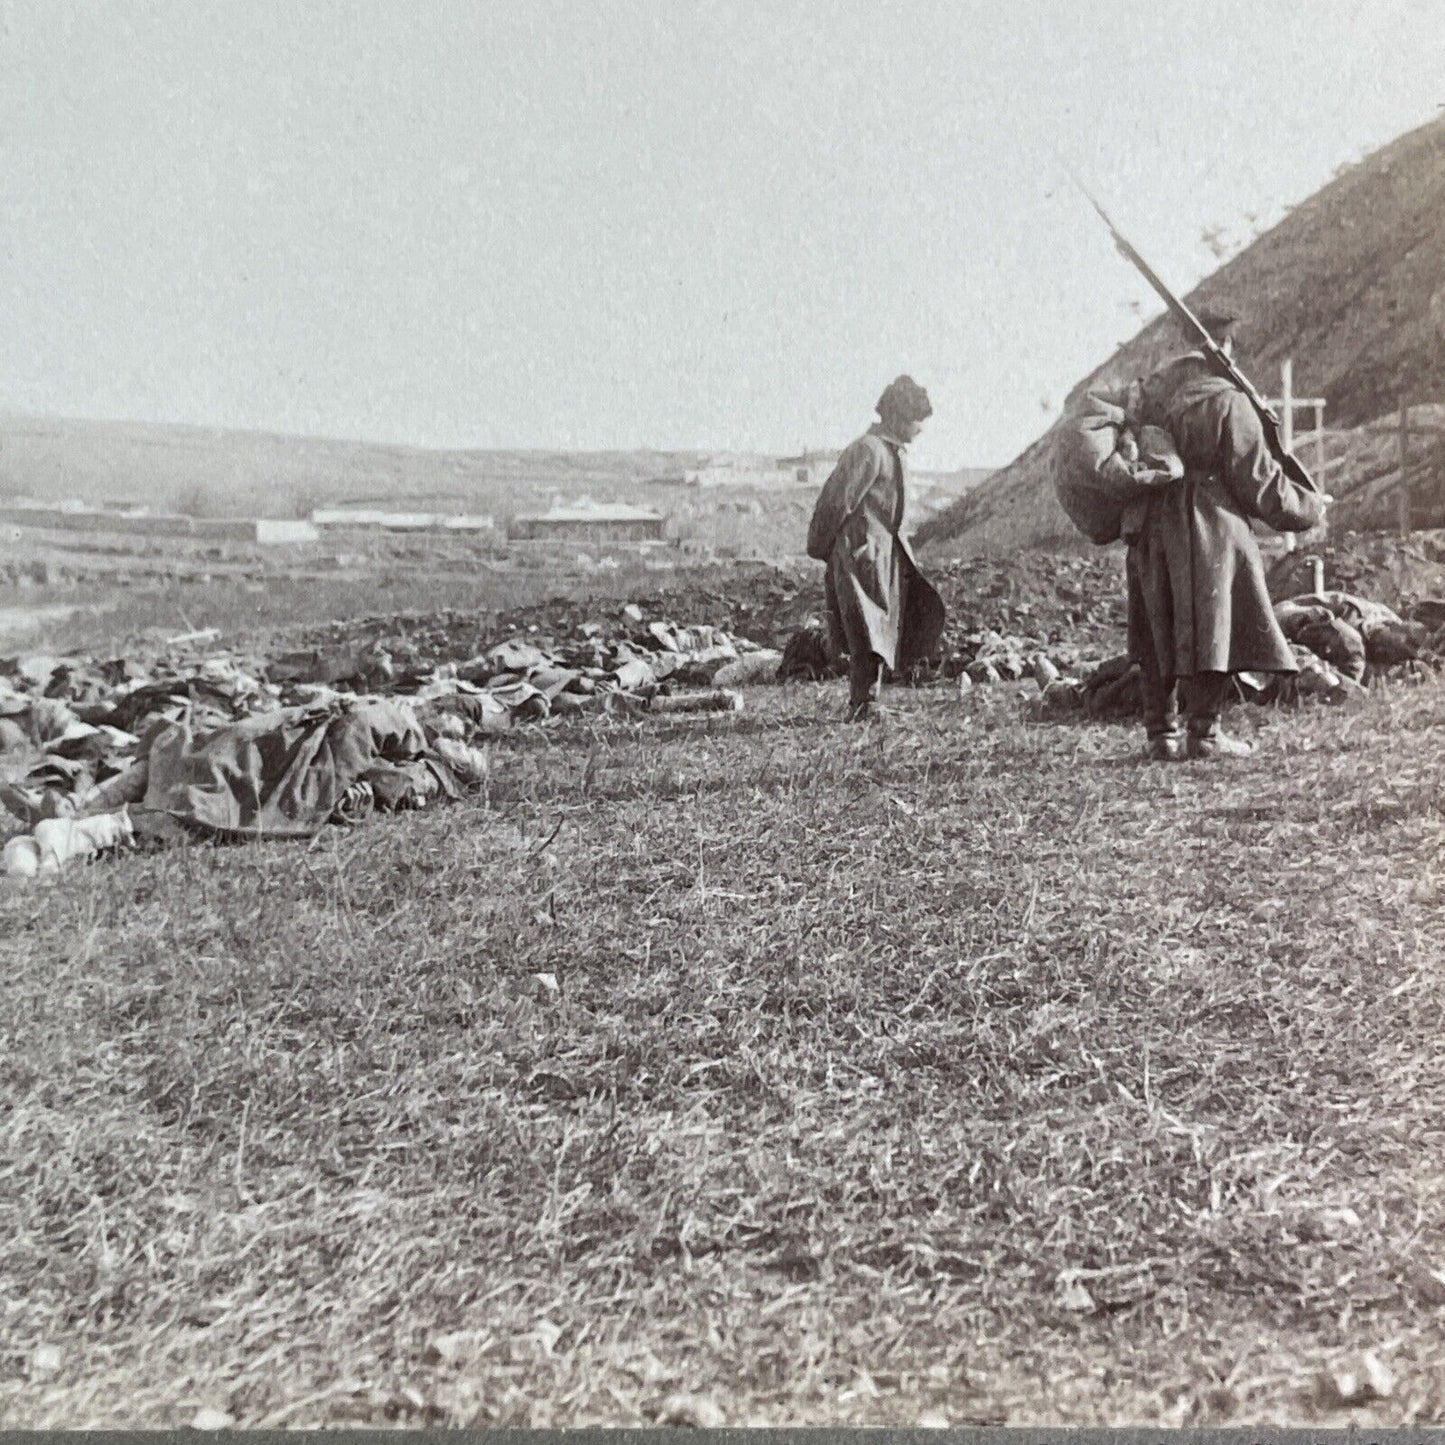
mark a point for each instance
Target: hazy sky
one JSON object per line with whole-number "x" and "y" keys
{"x": 668, "y": 223}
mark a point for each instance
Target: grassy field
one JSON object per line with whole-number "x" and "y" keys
{"x": 753, "y": 1070}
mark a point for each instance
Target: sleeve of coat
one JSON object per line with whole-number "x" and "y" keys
{"x": 1255, "y": 479}
{"x": 856, "y": 471}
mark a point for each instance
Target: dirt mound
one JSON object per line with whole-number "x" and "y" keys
{"x": 761, "y": 603}
{"x": 1406, "y": 572}
{"x": 1351, "y": 285}
{"x": 1041, "y": 601}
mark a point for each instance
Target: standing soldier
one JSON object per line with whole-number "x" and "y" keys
{"x": 882, "y": 611}
{"x": 1199, "y": 609}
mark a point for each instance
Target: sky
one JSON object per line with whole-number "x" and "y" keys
{"x": 668, "y": 223}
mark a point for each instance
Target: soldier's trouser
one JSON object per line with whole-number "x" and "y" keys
{"x": 1161, "y": 705}
{"x": 1203, "y": 697}
{"x": 865, "y": 679}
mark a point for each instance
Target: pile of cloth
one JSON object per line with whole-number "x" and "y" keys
{"x": 572, "y": 666}
{"x": 1351, "y": 634}
{"x": 246, "y": 772}
{"x": 979, "y": 657}
{"x": 1341, "y": 642}
{"x": 593, "y": 673}
{"x": 104, "y": 754}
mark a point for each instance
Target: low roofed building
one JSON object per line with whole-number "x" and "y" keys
{"x": 589, "y": 521}
{"x": 387, "y": 520}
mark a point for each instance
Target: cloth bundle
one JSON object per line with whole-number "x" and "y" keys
{"x": 1105, "y": 463}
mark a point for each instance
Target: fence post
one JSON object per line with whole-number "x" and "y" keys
{"x": 1402, "y": 496}
{"x": 1286, "y": 391}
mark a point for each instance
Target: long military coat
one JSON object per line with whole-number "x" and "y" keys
{"x": 878, "y": 599}
{"x": 1197, "y": 594}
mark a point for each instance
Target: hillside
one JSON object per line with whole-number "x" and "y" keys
{"x": 209, "y": 471}
{"x": 1351, "y": 285}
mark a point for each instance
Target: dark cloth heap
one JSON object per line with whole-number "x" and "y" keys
{"x": 283, "y": 774}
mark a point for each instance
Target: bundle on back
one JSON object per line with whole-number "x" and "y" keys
{"x": 1106, "y": 463}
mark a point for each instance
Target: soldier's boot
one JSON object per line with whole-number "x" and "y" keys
{"x": 1164, "y": 735}
{"x": 1205, "y": 707}
{"x": 1166, "y": 747}
{"x": 865, "y": 683}
{"x": 1213, "y": 742}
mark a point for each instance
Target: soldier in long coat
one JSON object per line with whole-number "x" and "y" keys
{"x": 882, "y": 611}
{"x": 1199, "y": 609}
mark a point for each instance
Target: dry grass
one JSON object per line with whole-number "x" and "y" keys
{"x": 861, "y": 1042}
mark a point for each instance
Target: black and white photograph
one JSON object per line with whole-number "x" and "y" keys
{"x": 722, "y": 714}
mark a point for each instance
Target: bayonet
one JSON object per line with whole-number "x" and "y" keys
{"x": 1218, "y": 358}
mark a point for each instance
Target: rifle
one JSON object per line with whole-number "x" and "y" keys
{"x": 1223, "y": 364}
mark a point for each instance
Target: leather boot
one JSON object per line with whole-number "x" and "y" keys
{"x": 1213, "y": 742}
{"x": 1204, "y": 707}
{"x": 1162, "y": 731}
{"x": 865, "y": 682}
{"x": 1166, "y": 747}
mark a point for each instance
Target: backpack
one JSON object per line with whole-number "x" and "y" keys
{"x": 1104, "y": 462}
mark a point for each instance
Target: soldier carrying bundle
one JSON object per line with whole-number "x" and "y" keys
{"x": 1199, "y": 609}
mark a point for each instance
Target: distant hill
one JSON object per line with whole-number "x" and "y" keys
{"x": 1351, "y": 284}
{"x": 210, "y": 472}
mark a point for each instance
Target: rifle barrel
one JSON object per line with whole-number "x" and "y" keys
{"x": 1294, "y": 468}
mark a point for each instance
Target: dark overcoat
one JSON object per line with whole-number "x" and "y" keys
{"x": 1197, "y": 593}
{"x": 878, "y": 598}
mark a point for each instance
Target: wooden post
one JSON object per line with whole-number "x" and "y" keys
{"x": 1286, "y": 392}
{"x": 1402, "y": 496}
{"x": 1319, "y": 436}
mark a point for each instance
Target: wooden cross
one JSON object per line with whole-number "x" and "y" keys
{"x": 1286, "y": 405}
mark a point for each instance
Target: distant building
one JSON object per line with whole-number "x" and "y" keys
{"x": 71, "y": 517}
{"x": 272, "y": 531}
{"x": 468, "y": 522}
{"x": 382, "y": 519}
{"x": 712, "y": 475}
{"x": 811, "y": 469}
{"x": 728, "y": 469}
{"x": 589, "y": 521}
